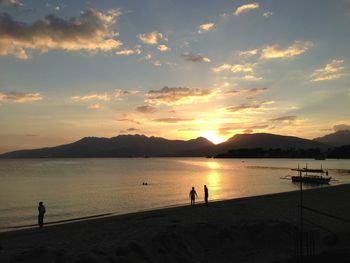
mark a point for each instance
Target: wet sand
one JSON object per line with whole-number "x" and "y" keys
{"x": 255, "y": 229}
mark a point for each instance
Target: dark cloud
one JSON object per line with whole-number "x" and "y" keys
{"x": 129, "y": 120}
{"x": 20, "y": 97}
{"x": 194, "y": 58}
{"x": 232, "y": 92}
{"x": 176, "y": 95}
{"x": 244, "y": 106}
{"x": 172, "y": 120}
{"x": 341, "y": 127}
{"x": 132, "y": 129}
{"x": 285, "y": 118}
{"x": 146, "y": 109}
{"x": 129, "y": 130}
{"x": 249, "y": 93}
{"x": 254, "y": 91}
{"x": 91, "y": 31}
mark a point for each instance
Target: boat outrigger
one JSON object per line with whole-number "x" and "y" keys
{"x": 317, "y": 176}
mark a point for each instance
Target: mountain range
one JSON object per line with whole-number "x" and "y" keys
{"x": 143, "y": 146}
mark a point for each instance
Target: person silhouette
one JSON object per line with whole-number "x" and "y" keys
{"x": 206, "y": 194}
{"x": 193, "y": 195}
{"x": 42, "y": 210}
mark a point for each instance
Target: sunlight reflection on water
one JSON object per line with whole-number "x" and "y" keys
{"x": 83, "y": 187}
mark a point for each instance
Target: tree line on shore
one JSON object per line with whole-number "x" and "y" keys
{"x": 342, "y": 152}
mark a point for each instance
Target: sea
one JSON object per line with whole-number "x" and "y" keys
{"x": 78, "y": 188}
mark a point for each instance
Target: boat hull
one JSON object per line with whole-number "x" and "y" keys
{"x": 311, "y": 180}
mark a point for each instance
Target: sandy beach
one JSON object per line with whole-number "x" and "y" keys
{"x": 256, "y": 229}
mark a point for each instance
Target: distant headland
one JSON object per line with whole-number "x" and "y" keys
{"x": 257, "y": 145}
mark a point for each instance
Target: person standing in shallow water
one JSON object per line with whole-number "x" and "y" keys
{"x": 42, "y": 210}
{"x": 193, "y": 195}
{"x": 206, "y": 194}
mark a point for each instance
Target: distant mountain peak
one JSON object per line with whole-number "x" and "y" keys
{"x": 338, "y": 138}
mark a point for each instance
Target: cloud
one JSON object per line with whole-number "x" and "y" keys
{"x": 245, "y": 106}
{"x": 285, "y": 118}
{"x": 172, "y": 120}
{"x": 258, "y": 127}
{"x": 146, "y": 109}
{"x": 254, "y": 91}
{"x": 95, "y": 106}
{"x": 177, "y": 95}
{"x": 20, "y": 97}
{"x": 245, "y": 8}
{"x": 331, "y": 71}
{"x": 10, "y": 2}
{"x": 163, "y": 48}
{"x": 341, "y": 127}
{"x": 157, "y": 63}
{"x": 248, "y": 53}
{"x": 267, "y": 14}
{"x": 242, "y": 107}
{"x": 246, "y": 92}
{"x": 130, "y": 130}
{"x": 128, "y": 52}
{"x": 206, "y": 27}
{"x": 232, "y": 92}
{"x": 121, "y": 94}
{"x": 275, "y": 51}
{"x": 103, "y": 96}
{"x": 195, "y": 58}
{"x": 148, "y": 56}
{"x": 90, "y": 32}
{"x": 129, "y": 120}
{"x": 251, "y": 77}
{"x": 226, "y": 130}
{"x": 235, "y": 68}
{"x": 116, "y": 95}
{"x": 151, "y": 38}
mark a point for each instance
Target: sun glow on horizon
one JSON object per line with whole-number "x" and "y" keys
{"x": 213, "y": 137}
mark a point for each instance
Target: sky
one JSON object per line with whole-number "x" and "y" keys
{"x": 171, "y": 68}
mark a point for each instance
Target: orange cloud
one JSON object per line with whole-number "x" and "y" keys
{"x": 245, "y": 8}
{"x": 331, "y": 71}
{"x": 163, "y": 48}
{"x": 275, "y": 51}
{"x": 103, "y": 96}
{"x": 248, "y": 67}
{"x": 206, "y": 27}
{"x": 151, "y": 38}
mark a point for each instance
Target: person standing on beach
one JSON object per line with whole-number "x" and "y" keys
{"x": 42, "y": 210}
{"x": 206, "y": 194}
{"x": 193, "y": 195}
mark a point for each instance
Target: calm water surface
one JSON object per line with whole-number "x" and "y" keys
{"x": 72, "y": 188}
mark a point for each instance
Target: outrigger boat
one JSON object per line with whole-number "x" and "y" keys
{"x": 317, "y": 176}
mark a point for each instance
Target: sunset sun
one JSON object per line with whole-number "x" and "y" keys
{"x": 213, "y": 137}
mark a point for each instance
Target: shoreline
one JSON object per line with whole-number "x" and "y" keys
{"x": 248, "y": 229}
{"x": 154, "y": 209}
